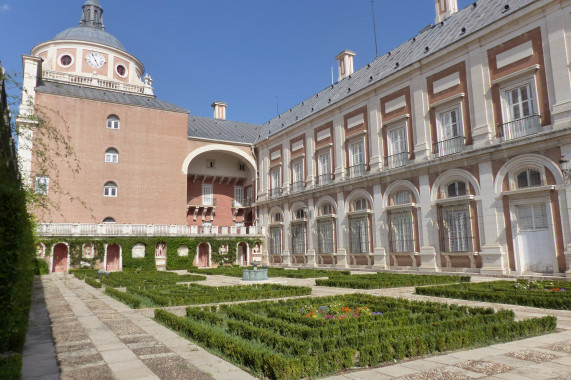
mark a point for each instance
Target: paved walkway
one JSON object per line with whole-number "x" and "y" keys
{"x": 97, "y": 337}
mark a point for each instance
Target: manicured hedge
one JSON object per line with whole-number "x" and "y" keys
{"x": 276, "y": 339}
{"x": 521, "y": 292}
{"x": 11, "y": 367}
{"x": 126, "y": 298}
{"x": 388, "y": 280}
{"x": 42, "y": 267}
{"x": 146, "y": 278}
{"x": 236, "y": 271}
{"x": 195, "y": 294}
{"x": 93, "y": 282}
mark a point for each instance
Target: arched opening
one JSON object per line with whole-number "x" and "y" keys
{"x": 113, "y": 256}
{"x": 203, "y": 255}
{"x": 60, "y": 263}
{"x": 242, "y": 254}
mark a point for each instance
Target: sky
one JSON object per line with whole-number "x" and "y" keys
{"x": 258, "y": 56}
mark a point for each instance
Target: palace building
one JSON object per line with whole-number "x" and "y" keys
{"x": 449, "y": 153}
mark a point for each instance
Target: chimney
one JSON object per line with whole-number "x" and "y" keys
{"x": 345, "y": 59}
{"x": 219, "y": 110}
{"x": 445, "y": 9}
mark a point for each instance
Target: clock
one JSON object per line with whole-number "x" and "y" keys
{"x": 95, "y": 60}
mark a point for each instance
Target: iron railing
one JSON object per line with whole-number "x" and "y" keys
{"x": 449, "y": 146}
{"x": 297, "y": 186}
{"x": 356, "y": 170}
{"x": 525, "y": 126}
{"x": 242, "y": 203}
{"x": 396, "y": 160}
{"x": 275, "y": 192}
{"x": 324, "y": 179}
{"x": 201, "y": 202}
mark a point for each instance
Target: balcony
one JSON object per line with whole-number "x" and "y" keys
{"x": 298, "y": 186}
{"x": 241, "y": 203}
{"x": 201, "y": 202}
{"x": 324, "y": 179}
{"x": 275, "y": 192}
{"x": 112, "y": 229}
{"x": 396, "y": 160}
{"x": 356, "y": 170}
{"x": 94, "y": 81}
{"x": 516, "y": 129}
{"x": 450, "y": 146}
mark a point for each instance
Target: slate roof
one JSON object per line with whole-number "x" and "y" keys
{"x": 82, "y": 33}
{"x": 126, "y": 98}
{"x": 435, "y": 37}
{"x": 224, "y": 130}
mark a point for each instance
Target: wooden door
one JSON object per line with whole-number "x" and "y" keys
{"x": 60, "y": 258}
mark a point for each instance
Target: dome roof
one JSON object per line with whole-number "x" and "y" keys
{"x": 82, "y": 33}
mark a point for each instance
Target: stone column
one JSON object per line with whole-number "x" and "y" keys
{"x": 480, "y": 98}
{"x": 557, "y": 50}
{"x": 311, "y": 234}
{"x": 428, "y": 254}
{"x": 286, "y": 257}
{"x": 491, "y": 224}
{"x": 310, "y": 161}
{"x": 374, "y": 121}
{"x": 341, "y": 225}
{"x": 420, "y": 131}
{"x": 339, "y": 147}
{"x": 379, "y": 254}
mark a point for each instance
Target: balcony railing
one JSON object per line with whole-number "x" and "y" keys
{"x": 297, "y": 186}
{"x": 324, "y": 179}
{"x": 519, "y": 128}
{"x": 450, "y": 146}
{"x": 356, "y": 170}
{"x": 275, "y": 192}
{"x": 241, "y": 203}
{"x": 201, "y": 202}
{"x": 112, "y": 229}
{"x": 96, "y": 82}
{"x": 396, "y": 160}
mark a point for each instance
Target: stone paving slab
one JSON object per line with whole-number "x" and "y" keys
{"x": 128, "y": 344}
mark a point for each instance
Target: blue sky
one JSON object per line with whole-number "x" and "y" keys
{"x": 242, "y": 52}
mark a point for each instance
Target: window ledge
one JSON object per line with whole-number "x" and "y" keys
{"x": 460, "y": 199}
{"x": 359, "y": 213}
{"x": 276, "y": 224}
{"x": 403, "y": 253}
{"x": 518, "y": 73}
{"x": 535, "y": 189}
{"x": 325, "y": 217}
{"x": 404, "y": 206}
{"x": 468, "y": 253}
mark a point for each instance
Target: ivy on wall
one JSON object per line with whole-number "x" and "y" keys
{"x": 223, "y": 251}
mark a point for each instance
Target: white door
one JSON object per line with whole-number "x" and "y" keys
{"x": 534, "y": 240}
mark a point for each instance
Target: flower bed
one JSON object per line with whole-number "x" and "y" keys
{"x": 388, "y": 280}
{"x": 195, "y": 294}
{"x": 283, "y": 340}
{"x": 544, "y": 294}
{"x": 236, "y": 271}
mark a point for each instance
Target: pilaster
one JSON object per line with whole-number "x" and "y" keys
{"x": 428, "y": 254}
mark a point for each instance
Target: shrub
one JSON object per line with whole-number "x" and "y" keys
{"x": 11, "y": 367}
{"x": 388, "y": 280}
{"x": 42, "y": 267}
{"x": 126, "y": 298}
{"x": 93, "y": 282}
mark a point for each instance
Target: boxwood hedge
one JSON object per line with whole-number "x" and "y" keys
{"x": 388, "y": 280}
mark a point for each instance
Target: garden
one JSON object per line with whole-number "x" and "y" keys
{"x": 236, "y": 271}
{"x": 309, "y": 337}
{"x": 542, "y": 294}
{"x": 388, "y": 280}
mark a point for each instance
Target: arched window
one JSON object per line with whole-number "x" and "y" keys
{"x": 111, "y": 155}
{"x": 528, "y": 178}
{"x": 299, "y": 214}
{"x": 456, "y": 189}
{"x": 277, "y": 217}
{"x": 402, "y": 197}
{"x": 110, "y": 189}
{"x": 113, "y": 122}
{"x": 109, "y": 220}
{"x": 360, "y": 204}
{"x": 326, "y": 209}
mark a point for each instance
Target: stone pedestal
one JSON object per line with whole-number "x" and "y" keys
{"x": 380, "y": 258}
{"x": 493, "y": 260}
{"x": 341, "y": 259}
{"x": 311, "y": 259}
{"x": 428, "y": 260}
{"x": 286, "y": 258}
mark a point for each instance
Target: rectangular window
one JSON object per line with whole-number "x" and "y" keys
{"x": 456, "y": 230}
{"x": 520, "y": 102}
{"x": 276, "y": 241}
{"x": 402, "y": 239}
{"x": 298, "y": 238}
{"x": 356, "y": 159}
{"x": 250, "y": 196}
{"x": 112, "y": 157}
{"x": 275, "y": 183}
{"x": 450, "y": 132}
{"x": 532, "y": 217}
{"x": 397, "y": 146}
{"x": 324, "y": 169}
{"x": 207, "y": 199}
{"x": 359, "y": 228}
{"x": 520, "y": 117}
{"x": 238, "y": 195}
{"x": 297, "y": 181}
{"x": 325, "y": 237}
{"x": 42, "y": 185}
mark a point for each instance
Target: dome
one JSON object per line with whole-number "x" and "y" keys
{"x": 82, "y": 33}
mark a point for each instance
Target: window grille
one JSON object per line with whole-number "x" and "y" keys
{"x": 275, "y": 241}
{"x": 455, "y": 224}
{"x": 532, "y": 217}
{"x": 402, "y": 197}
{"x": 325, "y": 237}
{"x": 298, "y": 238}
{"x": 401, "y": 232}
{"x": 359, "y": 229}
{"x": 456, "y": 189}
{"x": 528, "y": 178}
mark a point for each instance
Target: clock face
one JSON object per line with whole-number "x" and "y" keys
{"x": 95, "y": 60}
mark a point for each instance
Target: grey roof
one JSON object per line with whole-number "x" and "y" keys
{"x": 82, "y": 33}
{"x": 106, "y": 96}
{"x": 223, "y": 130}
{"x": 435, "y": 37}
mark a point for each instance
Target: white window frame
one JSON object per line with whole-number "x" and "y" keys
{"x": 359, "y": 234}
{"x": 441, "y": 132}
{"x": 42, "y": 184}
{"x": 110, "y": 190}
{"x": 112, "y": 156}
{"x": 352, "y": 156}
{"x": 113, "y": 122}
{"x": 207, "y": 196}
{"x": 239, "y": 195}
{"x": 460, "y": 234}
{"x": 275, "y": 180}
{"x": 397, "y": 144}
{"x": 298, "y": 238}
{"x": 402, "y": 231}
{"x": 326, "y": 236}
{"x": 506, "y": 104}
{"x": 297, "y": 178}
{"x": 276, "y": 240}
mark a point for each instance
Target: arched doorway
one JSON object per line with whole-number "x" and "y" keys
{"x": 60, "y": 258}
{"x": 113, "y": 258}
{"x": 203, "y": 253}
{"x": 242, "y": 254}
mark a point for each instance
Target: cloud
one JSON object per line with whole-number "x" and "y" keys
{"x": 4, "y": 7}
